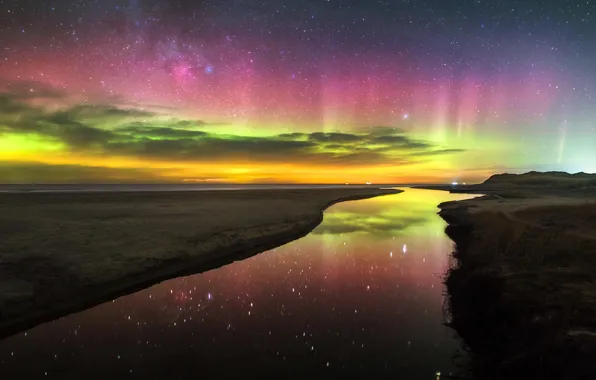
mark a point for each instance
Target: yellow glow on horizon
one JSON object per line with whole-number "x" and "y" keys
{"x": 429, "y": 171}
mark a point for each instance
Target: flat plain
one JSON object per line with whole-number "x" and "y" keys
{"x": 62, "y": 252}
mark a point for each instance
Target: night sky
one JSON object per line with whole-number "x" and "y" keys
{"x": 294, "y": 91}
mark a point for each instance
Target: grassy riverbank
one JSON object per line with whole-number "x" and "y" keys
{"x": 522, "y": 289}
{"x": 63, "y": 252}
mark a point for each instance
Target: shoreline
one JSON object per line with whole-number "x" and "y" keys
{"x": 520, "y": 291}
{"x": 208, "y": 252}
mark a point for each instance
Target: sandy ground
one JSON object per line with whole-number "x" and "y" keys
{"x": 62, "y": 252}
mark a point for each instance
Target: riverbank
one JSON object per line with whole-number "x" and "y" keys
{"x": 63, "y": 252}
{"x": 522, "y": 287}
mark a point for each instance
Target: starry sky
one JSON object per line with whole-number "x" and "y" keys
{"x": 264, "y": 91}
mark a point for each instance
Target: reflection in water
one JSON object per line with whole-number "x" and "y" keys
{"x": 361, "y": 293}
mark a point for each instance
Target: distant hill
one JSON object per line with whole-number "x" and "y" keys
{"x": 547, "y": 179}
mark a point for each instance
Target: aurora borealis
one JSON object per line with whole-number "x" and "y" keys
{"x": 294, "y": 91}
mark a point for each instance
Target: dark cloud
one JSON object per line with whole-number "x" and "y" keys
{"x": 59, "y": 126}
{"x": 384, "y": 139}
{"x": 213, "y": 148}
{"x": 293, "y": 136}
{"x": 9, "y": 105}
{"x": 140, "y": 129}
{"x": 105, "y": 111}
{"x": 109, "y": 130}
{"x": 334, "y": 137}
{"x": 21, "y": 89}
{"x": 78, "y": 135}
{"x": 399, "y": 143}
{"x": 391, "y": 139}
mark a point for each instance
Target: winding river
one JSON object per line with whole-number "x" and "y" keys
{"x": 362, "y": 293}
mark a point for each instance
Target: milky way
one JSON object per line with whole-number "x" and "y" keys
{"x": 284, "y": 91}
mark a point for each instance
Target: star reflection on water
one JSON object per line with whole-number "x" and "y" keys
{"x": 339, "y": 299}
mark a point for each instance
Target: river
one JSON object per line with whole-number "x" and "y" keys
{"x": 362, "y": 293}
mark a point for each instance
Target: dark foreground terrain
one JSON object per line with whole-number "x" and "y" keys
{"x": 63, "y": 252}
{"x": 522, "y": 288}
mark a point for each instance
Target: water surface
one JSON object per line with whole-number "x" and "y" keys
{"x": 363, "y": 292}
